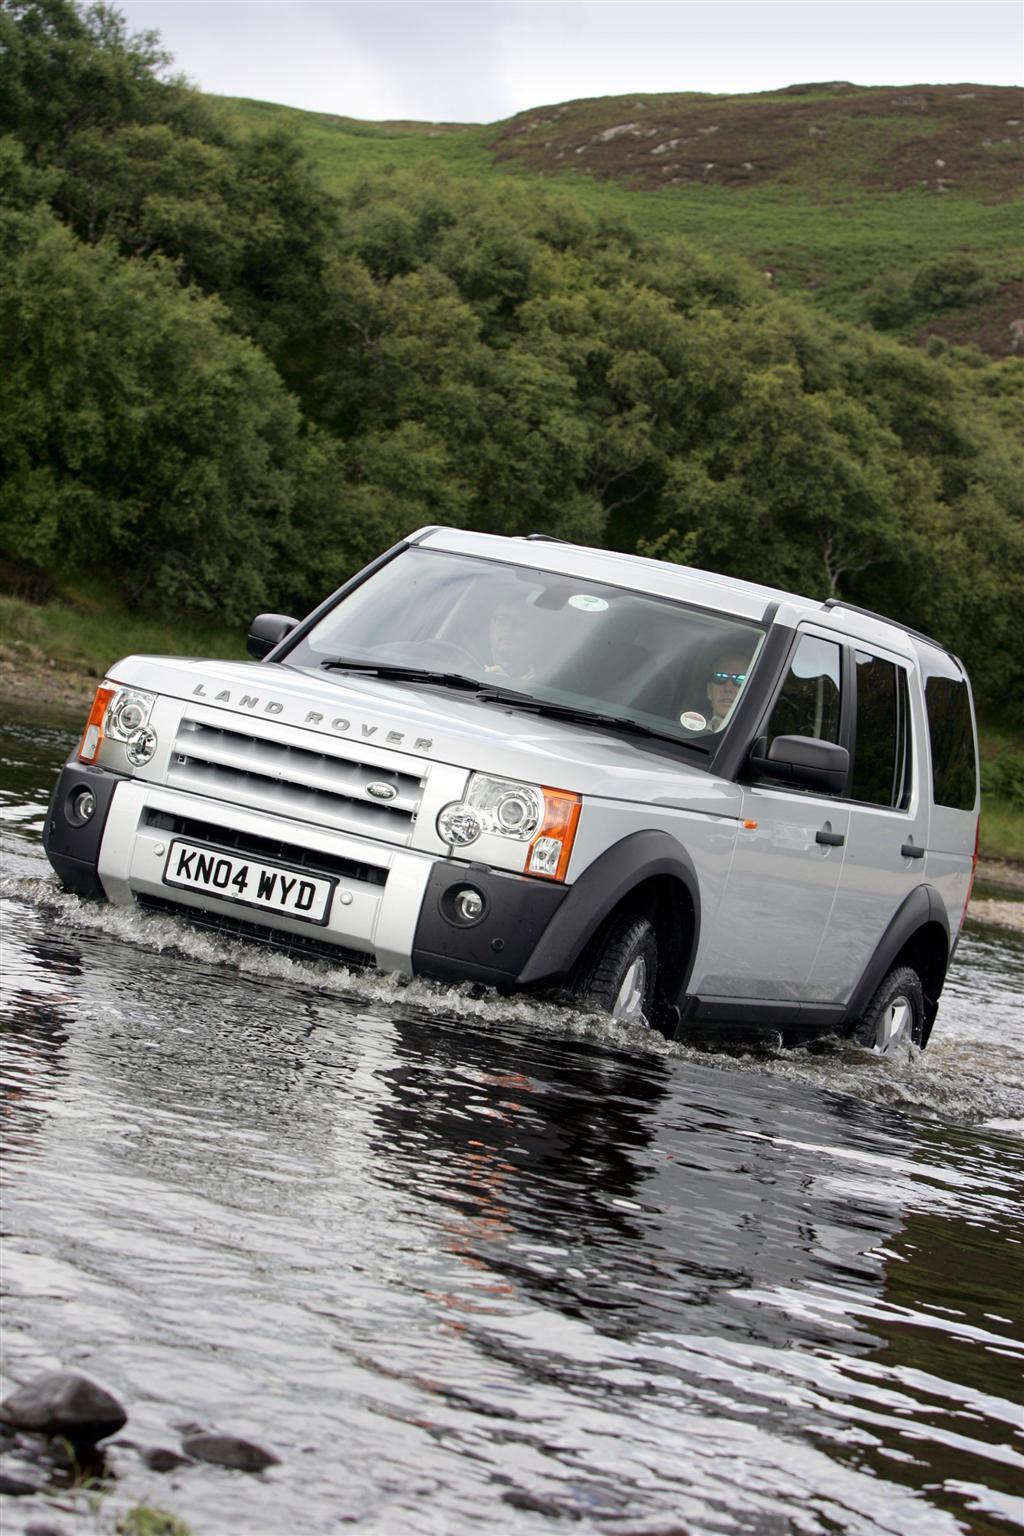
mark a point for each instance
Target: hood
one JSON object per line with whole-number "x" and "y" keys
{"x": 440, "y": 726}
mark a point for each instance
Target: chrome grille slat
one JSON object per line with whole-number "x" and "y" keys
{"x": 273, "y": 850}
{"x": 297, "y": 765}
{"x": 267, "y": 773}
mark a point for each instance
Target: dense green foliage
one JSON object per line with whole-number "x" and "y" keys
{"x": 224, "y": 387}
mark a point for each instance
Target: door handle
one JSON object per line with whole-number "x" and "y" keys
{"x": 830, "y": 839}
{"x": 911, "y": 851}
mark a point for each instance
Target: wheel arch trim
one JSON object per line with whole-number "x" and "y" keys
{"x": 643, "y": 859}
{"x": 918, "y": 932}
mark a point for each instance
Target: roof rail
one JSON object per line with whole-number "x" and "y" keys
{"x": 543, "y": 538}
{"x": 869, "y": 613}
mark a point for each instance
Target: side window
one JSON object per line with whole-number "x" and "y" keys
{"x": 809, "y": 702}
{"x": 881, "y": 758}
{"x": 954, "y": 776}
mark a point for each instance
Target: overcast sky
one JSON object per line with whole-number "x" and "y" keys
{"x": 478, "y": 61}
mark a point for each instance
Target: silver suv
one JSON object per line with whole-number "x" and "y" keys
{"x": 686, "y": 800}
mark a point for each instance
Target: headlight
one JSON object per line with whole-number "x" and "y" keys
{"x": 129, "y": 710}
{"x": 123, "y": 715}
{"x": 522, "y": 813}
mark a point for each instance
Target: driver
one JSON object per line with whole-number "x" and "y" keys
{"x": 512, "y": 637}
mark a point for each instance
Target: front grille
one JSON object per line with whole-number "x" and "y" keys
{"x": 297, "y": 946}
{"x": 271, "y": 849}
{"x": 330, "y": 788}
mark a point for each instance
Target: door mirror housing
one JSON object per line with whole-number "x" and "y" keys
{"x": 803, "y": 761}
{"x": 266, "y": 631}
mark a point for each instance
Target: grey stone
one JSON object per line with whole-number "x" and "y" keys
{"x": 228, "y": 1451}
{"x": 64, "y": 1403}
{"x": 160, "y": 1458}
{"x": 20, "y": 1477}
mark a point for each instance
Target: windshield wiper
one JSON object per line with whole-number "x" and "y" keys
{"x": 580, "y": 716}
{"x": 402, "y": 673}
{"x": 489, "y": 693}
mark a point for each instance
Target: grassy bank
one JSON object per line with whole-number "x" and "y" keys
{"x": 62, "y": 650}
{"x": 58, "y": 652}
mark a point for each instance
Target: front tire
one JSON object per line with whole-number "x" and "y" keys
{"x": 893, "y": 1021}
{"x": 622, "y": 975}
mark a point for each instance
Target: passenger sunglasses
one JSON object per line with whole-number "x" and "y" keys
{"x": 729, "y": 677}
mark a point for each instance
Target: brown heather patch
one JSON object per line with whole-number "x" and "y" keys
{"x": 884, "y": 138}
{"x": 989, "y": 326}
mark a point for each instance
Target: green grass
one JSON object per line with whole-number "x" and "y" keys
{"x": 1002, "y": 831}
{"x": 344, "y": 149}
{"x": 86, "y": 640}
{"x": 149, "y": 1520}
{"x": 1002, "y": 818}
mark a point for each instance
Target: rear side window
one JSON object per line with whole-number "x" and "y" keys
{"x": 881, "y": 758}
{"x": 951, "y": 731}
{"x": 808, "y": 704}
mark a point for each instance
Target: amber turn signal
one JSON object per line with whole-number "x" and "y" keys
{"x": 92, "y": 736}
{"x": 551, "y": 849}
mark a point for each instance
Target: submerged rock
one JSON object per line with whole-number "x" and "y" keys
{"x": 160, "y": 1458}
{"x": 64, "y": 1403}
{"x": 228, "y": 1451}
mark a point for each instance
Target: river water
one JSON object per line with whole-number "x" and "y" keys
{"x": 466, "y": 1264}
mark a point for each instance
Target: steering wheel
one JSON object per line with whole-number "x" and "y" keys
{"x": 440, "y": 654}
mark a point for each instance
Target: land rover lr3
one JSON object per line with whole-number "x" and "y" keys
{"x": 685, "y": 800}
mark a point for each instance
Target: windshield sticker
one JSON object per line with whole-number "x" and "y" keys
{"x": 693, "y": 720}
{"x": 587, "y": 602}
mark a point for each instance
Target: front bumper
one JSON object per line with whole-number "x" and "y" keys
{"x": 392, "y": 907}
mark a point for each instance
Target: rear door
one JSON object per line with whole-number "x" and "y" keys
{"x": 953, "y": 777}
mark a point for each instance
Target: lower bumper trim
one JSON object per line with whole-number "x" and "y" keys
{"x": 297, "y": 946}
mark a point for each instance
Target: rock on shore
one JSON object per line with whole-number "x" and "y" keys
{"x": 64, "y": 1403}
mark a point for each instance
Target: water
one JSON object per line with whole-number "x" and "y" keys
{"x": 469, "y": 1264}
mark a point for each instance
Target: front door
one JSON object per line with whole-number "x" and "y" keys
{"x": 789, "y": 854}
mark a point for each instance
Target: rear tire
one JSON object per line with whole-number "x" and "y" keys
{"x": 621, "y": 977}
{"x": 893, "y": 1021}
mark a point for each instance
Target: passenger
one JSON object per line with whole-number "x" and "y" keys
{"x": 728, "y": 674}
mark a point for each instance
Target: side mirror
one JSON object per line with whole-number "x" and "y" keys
{"x": 803, "y": 761}
{"x": 266, "y": 631}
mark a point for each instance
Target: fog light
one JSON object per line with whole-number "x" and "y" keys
{"x": 82, "y": 807}
{"x": 469, "y": 905}
{"x": 140, "y": 747}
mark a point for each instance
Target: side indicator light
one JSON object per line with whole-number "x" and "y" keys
{"x": 92, "y": 736}
{"x": 751, "y": 826}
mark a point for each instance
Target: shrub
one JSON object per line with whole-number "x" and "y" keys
{"x": 1003, "y": 778}
{"x": 950, "y": 282}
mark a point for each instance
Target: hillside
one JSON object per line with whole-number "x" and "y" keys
{"x": 835, "y": 192}
{"x": 832, "y": 138}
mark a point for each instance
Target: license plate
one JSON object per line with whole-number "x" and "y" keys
{"x": 271, "y": 887}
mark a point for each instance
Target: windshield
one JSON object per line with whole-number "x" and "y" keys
{"x": 560, "y": 640}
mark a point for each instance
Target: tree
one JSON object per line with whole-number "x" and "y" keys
{"x": 145, "y": 443}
